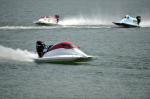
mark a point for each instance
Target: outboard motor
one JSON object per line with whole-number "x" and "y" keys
{"x": 57, "y": 17}
{"x": 138, "y": 19}
{"x": 40, "y": 48}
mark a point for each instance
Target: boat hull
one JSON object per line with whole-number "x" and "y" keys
{"x": 125, "y": 25}
{"x": 45, "y": 24}
{"x": 63, "y": 59}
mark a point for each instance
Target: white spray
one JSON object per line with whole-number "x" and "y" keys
{"x": 82, "y": 20}
{"x": 16, "y": 54}
{"x": 145, "y": 23}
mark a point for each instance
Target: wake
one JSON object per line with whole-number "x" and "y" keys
{"x": 16, "y": 54}
{"x": 26, "y": 27}
{"x": 145, "y": 23}
{"x": 81, "y": 20}
{"x": 75, "y": 22}
{"x": 67, "y": 22}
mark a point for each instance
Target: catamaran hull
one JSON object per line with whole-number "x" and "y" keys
{"x": 63, "y": 59}
{"x": 125, "y": 25}
{"x": 43, "y": 23}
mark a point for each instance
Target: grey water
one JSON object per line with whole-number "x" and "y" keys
{"x": 120, "y": 70}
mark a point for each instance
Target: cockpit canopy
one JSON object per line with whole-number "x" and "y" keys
{"x": 65, "y": 45}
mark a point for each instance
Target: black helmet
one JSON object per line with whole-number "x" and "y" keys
{"x": 138, "y": 17}
{"x": 39, "y": 42}
{"x": 57, "y": 16}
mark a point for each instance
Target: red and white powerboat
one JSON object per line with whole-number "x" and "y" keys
{"x": 48, "y": 20}
{"x": 60, "y": 52}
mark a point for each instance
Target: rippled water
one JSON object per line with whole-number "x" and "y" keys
{"x": 121, "y": 68}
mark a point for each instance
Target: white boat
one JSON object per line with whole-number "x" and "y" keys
{"x": 48, "y": 20}
{"x": 129, "y": 21}
{"x": 60, "y": 52}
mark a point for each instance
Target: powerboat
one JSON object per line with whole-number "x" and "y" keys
{"x": 129, "y": 21}
{"x": 60, "y": 52}
{"x": 48, "y": 20}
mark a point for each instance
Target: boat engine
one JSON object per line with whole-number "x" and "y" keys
{"x": 40, "y": 48}
{"x": 57, "y": 18}
{"x": 138, "y": 19}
